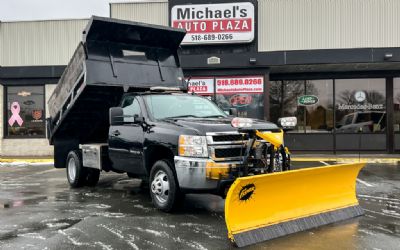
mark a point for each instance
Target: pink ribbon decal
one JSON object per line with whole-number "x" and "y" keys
{"x": 15, "y": 109}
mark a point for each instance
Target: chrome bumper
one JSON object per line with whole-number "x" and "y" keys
{"x": 201, "y": 173}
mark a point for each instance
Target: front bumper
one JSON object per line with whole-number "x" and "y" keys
{"x": 203, "y": 174}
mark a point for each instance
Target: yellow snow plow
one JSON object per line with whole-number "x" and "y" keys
{"x": 260, "y": 207}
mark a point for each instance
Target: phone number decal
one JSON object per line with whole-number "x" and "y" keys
{"x": 211, "y": 37}
{"x": 249, "y": 84}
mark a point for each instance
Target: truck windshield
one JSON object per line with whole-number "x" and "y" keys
{"x": 180, "y": 106}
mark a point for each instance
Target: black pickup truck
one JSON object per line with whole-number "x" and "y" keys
{"x": 121, "y": 105}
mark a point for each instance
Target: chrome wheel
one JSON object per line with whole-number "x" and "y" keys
{"x": 160, "y": 186}
{"x": 71, "y": 169}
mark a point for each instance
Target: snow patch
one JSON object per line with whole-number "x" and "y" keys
{"x": 104, "y": 246}
{"x": 142, "y": 207}
{"x": 157, "y": 233}
{"x": 117, "y": 232}
{"x": 133, "y": 245}
{"x": 73, "y": 240}
{"x": 100, "y": 206}
{"x": 167, "y": 225}
{"x": 61, "y": 224}
{"x": 33, "y": 236}
{"x": 109, "y": 215}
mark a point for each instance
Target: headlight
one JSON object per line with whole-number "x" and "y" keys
{"x": 239, "y": 122}
{"x": 288, "y": 122}
{"x": 193, "y": 146}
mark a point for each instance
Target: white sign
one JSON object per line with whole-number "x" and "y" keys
{"x": 201, "y": 86}
{"x": 360, "y": 96}
{"x": 213, "y": 60}
{"x": 239, "y": 84}
{"x": 368, "y": 106}
{"x": 215, "y": 23}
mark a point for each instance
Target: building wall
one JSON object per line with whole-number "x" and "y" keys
{"x": 322, "y": 24}
{"x": 154, "y": 12}
{"x": 39, "y": 42}
{"x": 303, "y": 24}
{"x": 1, "y": 116}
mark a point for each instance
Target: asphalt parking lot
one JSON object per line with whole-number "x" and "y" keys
{"x": 39, "y": 211}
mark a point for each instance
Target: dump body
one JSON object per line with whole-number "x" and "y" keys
{"x": 114, "y": 56}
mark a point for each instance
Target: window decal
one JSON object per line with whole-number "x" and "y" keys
{"x": 15, "y": 109}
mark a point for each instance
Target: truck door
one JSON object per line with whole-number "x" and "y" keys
{"x": 126, "y": 141}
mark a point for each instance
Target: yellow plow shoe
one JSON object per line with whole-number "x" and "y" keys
{"x": 263, "y": 207}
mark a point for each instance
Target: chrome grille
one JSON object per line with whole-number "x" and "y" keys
{"x": 229, "y": 152}
{"x": 230, "y": 137}
{"x": 227, "y": 146}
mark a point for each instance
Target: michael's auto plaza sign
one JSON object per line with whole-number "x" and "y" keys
{"x": 215, "y": 23}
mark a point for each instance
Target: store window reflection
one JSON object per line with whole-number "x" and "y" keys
{"x": 360, "y": 105}
{"x": 310, "y": 101}
{"x": 25, "y": 112}
{"x": 396, "y": 102}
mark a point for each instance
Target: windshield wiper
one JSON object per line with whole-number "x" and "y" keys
{"x": 213, "y": 116}
{"x": 181, "y": 116}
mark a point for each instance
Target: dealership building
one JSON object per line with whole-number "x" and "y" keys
{"x": 335, "y": 65}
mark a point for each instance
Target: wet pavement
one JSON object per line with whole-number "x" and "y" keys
{"x": 42, "y": 212}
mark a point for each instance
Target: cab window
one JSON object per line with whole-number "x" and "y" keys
{"x": 131, "y": 108}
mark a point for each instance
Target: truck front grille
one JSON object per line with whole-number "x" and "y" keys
{"x": 229, "y": 152}
{"x": 227, "y": 146}
{"x": 230, "y": 138}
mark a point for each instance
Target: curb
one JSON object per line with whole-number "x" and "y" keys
{"x": 21, "y": 160}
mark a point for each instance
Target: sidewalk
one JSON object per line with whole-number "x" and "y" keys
{"x": 340, "y": 158}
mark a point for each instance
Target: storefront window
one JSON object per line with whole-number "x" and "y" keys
{"x": 319, "y": 111}
{"x": 283, "y": 101}
{"x": 311, "y": 101}
{"x": 245, "y": 93}
{"x": 396, "y": 102}
{"x": 360, "y": 105}
{"x": 25, "y": 112}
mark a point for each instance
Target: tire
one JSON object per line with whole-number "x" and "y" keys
{"x": 164, "y": 188}
{"x": 76, "y": 173}
{"x": 93, "y": 176}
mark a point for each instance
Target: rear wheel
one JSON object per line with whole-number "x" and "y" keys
{"x": 76, "y": 173}
{"x": 164, "y": 188}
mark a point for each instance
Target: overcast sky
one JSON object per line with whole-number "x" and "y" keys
{"x": 18, "y": 10}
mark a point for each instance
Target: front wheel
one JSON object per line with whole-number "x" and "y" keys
{"x": 164, "y": 188}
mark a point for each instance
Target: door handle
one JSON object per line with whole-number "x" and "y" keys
{"x": 115, "y": 133}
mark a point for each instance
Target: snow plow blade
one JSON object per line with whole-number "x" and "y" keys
{"x": 267, "y": 206}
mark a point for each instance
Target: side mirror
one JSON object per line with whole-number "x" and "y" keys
{"x": 287, "y": 123}
{"x": 138, "y": 119}
{"x": 116, "y": 116}
{"x": 233, "y": 111}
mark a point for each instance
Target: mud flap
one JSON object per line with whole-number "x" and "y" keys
{"x": 263, "y": 207}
